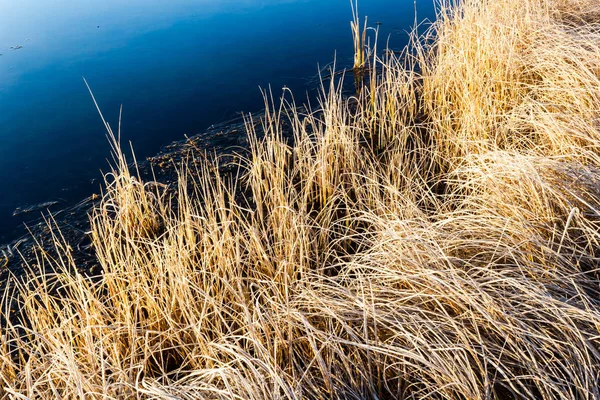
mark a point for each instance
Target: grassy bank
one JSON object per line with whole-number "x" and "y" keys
{"x": 437, "y": 236}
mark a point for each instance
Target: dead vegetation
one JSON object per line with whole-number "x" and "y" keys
{"x": 437, "y": 236}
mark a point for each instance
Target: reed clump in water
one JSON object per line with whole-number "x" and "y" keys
{"x": 438, "y": 239}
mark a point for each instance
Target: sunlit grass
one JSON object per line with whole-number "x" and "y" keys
{"x": 435, "y": 236}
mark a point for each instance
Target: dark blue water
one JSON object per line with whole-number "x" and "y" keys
{"x": 176, "y": 66}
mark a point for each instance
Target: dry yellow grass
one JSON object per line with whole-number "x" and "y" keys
{"x": 435, "y": 237}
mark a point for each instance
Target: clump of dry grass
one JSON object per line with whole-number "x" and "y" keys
{"x": 435, "y": 236}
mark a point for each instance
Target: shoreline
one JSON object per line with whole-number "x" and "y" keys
{"x": 221, "y": 139}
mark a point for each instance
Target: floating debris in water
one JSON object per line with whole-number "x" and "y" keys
{"x": 37, "y": 207}
{"x": 16, "y": 47}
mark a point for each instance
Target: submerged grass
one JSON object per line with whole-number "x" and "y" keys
{"x": 436, "y": 236}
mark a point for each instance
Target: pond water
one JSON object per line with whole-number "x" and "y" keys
{"x": 176, "y": 66}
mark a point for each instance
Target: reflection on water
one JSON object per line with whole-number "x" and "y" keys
{"x": 177, "y": 67}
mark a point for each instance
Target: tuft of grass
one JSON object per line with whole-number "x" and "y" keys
{"x": 434, "y": 236}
